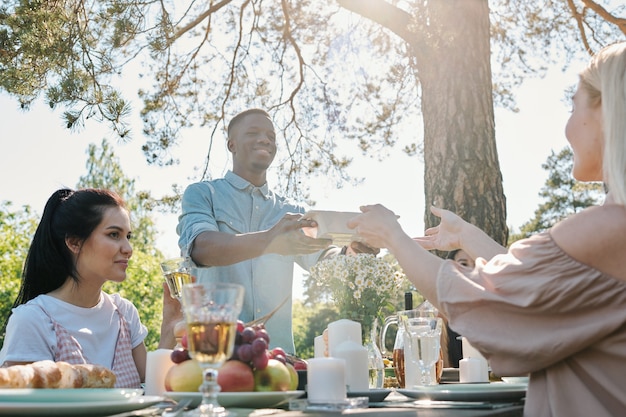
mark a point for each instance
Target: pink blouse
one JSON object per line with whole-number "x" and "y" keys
{"x": 537, "y": 311}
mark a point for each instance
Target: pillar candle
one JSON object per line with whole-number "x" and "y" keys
{"x": 473, "y": 370}
{"x": 343, "y": 330}
{"x": 319, "y": 347}
{"x": 357, "y": 369}
{"x": 158, "y": 363}
{"x": 326, "y": 380}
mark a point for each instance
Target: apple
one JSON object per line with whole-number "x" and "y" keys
{"x": 235, "y": 376}
{"x": 294, "y": 377}
{"x": 184, "y": 377}
{"x": 300, "y": 364}
{"x": 274, "y": 377}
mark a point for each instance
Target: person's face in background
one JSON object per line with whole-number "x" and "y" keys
{"x": 464, "y": 259}
{"x": 584, "y": 133}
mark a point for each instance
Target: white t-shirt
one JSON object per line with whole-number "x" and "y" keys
{"x": 30, "y": 333}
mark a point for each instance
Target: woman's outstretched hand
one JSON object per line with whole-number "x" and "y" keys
{"x": 445, "y": 236}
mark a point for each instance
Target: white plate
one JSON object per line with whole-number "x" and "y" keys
{"x": 241, "y": 399}
{"x": 373, "y": 395}
{"x": 86, "y": 408}
{"x": 515, "y": 379}
{"x": 331, "y": 225}
{"x": 496, "y": 391}
{"x": 43, "y": 395}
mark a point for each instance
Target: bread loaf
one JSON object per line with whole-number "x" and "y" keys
{"x": 49, "y": 374}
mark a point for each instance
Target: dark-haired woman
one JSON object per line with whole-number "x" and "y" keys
{"x": 61, "y": 312}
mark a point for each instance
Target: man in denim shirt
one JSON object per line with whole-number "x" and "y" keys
{"x": 244, "y": 233}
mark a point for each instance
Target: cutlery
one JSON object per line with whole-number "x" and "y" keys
{"x": 178, "y": 409}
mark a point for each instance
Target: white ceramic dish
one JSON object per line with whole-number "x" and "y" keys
{"x": 373, "y": 395}
{"x": 77, "y": 408}
{"x": 79, "y": 395}
{"x": 331, "y": 225}
{"x": 240, "y": 399}
{"x": 495, "y": 391}
{"x": 515, "y": 379}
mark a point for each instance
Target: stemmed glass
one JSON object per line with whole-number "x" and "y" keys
{"x": 422, "y": 342}
{"x": 211, "y": 311}
{"x": 177, "y": 273}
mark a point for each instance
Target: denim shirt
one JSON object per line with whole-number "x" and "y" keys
{"x": 233, "y": 205}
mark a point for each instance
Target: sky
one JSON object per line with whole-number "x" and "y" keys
{"x": 39, "y": 156}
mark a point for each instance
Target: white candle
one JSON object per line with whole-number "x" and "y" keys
{"x": 326, "y": 380}
{"x": 473, "y": 370}
{"x": 319, "y": 347}
{"x": 357, "y": 369}
{"x": 343, "y": 330}
{"x": 158, "y": 363}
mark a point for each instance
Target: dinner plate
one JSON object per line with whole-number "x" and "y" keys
{"x": 515, "y": 379}
{"x": 77, "y": 408}
{"x": 240, "y": 399}
{"x": 44, "y": 395}
{"x": 495, "y": 391}
{"x": 373, "y": 395}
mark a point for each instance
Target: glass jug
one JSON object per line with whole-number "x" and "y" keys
{"x": 426, "y": 309}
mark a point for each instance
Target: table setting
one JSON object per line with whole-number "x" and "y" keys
{"x": 346, "y": 376}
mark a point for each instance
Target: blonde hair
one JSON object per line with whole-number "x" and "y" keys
{"x": 604, "y": 79}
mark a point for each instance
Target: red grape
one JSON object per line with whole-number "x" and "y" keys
{"x": 260, "y": 362}
{"x": 245, "y": 353}
{"x": 179, "y": 355}
{"x": 278, "y": 351}
{"x": 259, "y": 346}
{"x": 247, "y": 335}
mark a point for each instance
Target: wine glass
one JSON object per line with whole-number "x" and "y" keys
{"x": 177, "y": 273}
{"x": 211, "y": 311}
{"x": 422, "y": 342}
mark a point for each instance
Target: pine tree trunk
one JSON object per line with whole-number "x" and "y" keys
{"x": 462, "y": 171}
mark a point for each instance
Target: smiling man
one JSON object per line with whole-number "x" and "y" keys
{"x": 242, "y": 232}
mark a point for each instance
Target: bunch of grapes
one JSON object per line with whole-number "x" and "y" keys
{"x": 251, "y": 346}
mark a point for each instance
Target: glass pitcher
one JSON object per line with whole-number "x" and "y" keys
{"x": 426, "y": 309}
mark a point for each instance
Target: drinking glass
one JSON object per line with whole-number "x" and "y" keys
{"x": 177, "y": 273}
{"x": 422, "y": 341}
{"x": 211, "y": 311}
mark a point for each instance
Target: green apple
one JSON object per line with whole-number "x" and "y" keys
{"x": 235, "y": 376}
{"x": 294, "y": 377}
{"x": 275, "y": 377}
{"x": 184, "y": 377}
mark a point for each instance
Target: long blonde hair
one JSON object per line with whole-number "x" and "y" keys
{"x": 605, "y": 81}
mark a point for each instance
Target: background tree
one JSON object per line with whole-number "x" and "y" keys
{"x": 562, "y": 195}
{"x": 323, "y": 73}
{"x": 17, "y": 227}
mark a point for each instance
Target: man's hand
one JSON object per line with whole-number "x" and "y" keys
{"x": 288, "y": 238}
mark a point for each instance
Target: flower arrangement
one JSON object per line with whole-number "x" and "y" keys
{"x": 360, "y": 285}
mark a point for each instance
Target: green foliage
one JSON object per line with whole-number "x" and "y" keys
{"x": 309, "y": 321}
{"x": 17, "y": 226}
{"x": 562, "y": 195}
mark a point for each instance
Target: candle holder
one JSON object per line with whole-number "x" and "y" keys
{"x": 346, "y": 404}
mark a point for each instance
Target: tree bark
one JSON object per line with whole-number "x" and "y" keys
{"x": 462, "y": 172}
